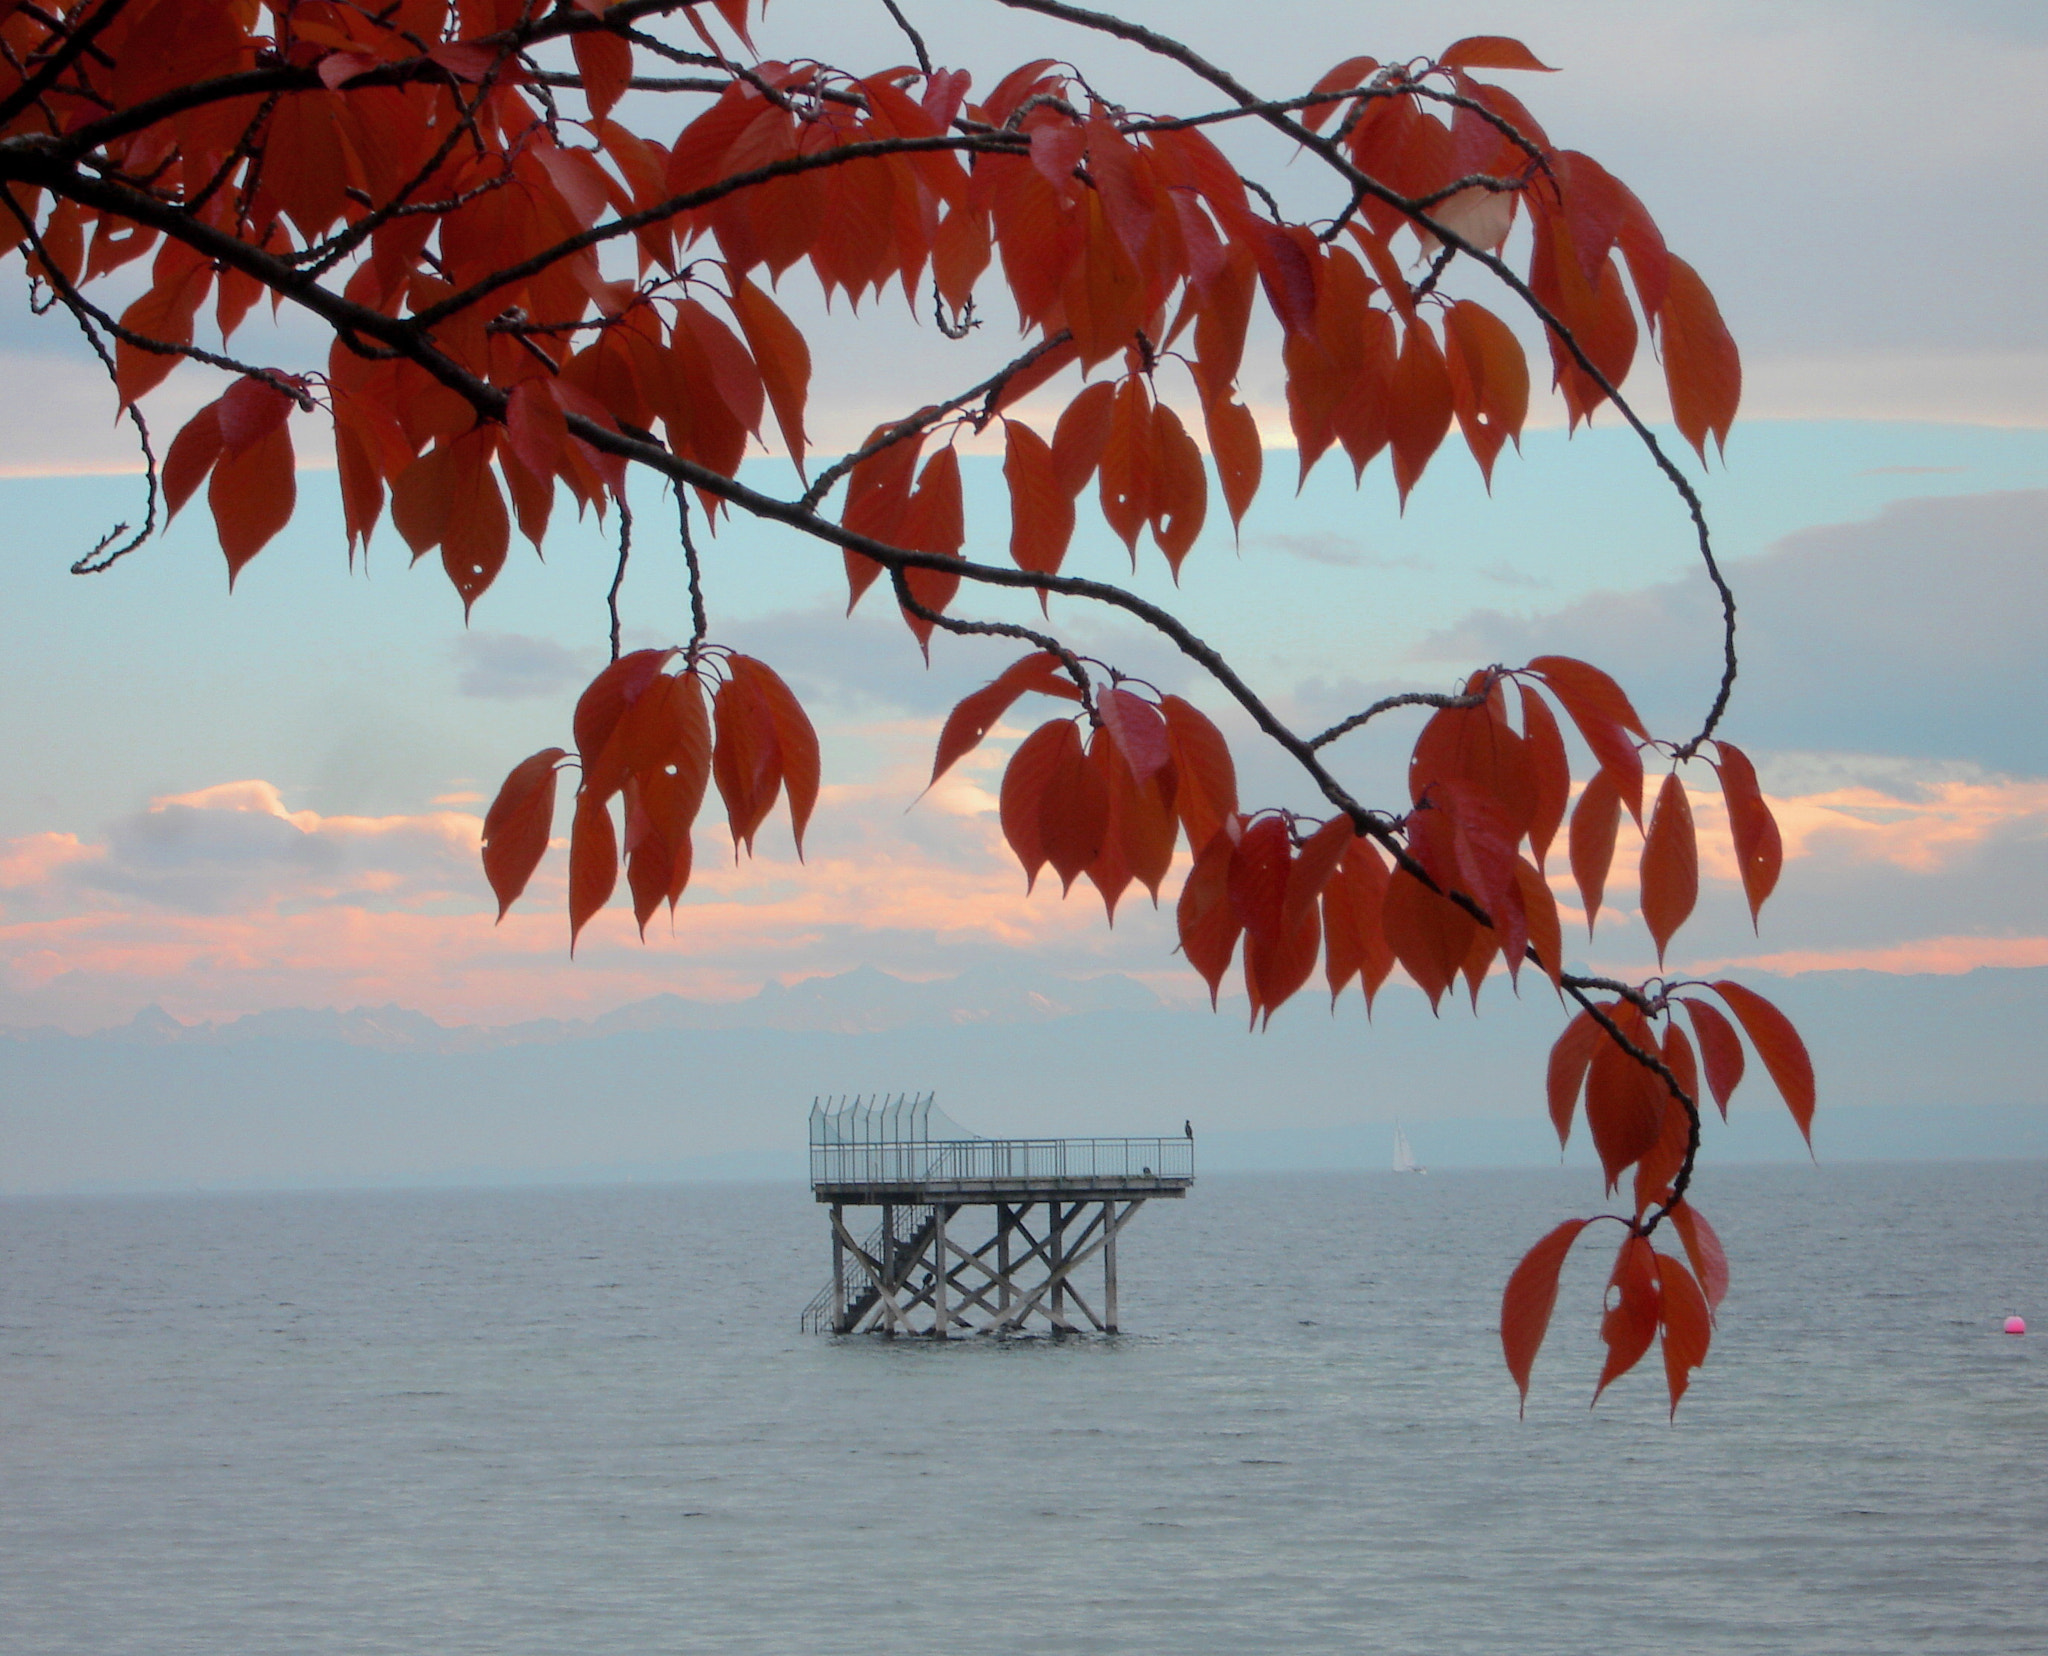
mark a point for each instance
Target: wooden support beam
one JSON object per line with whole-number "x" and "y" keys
{"x": 1071, "y": 1263}
{"x": 878, "y": 1278}
{"x": 985, "y": 1288}
{"x": 1003, "y": 1220}
{"x": 1109, "y": 1267}
{"x": 838, "y": 1268}
{"x": 1058, "y": 1232}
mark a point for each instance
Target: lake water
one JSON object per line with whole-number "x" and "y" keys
{"x": 584, "y": 1421}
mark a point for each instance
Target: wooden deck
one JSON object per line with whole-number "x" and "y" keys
{"x": 1051, "y": 1206}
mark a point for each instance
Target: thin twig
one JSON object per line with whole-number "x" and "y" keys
{"x": 924, "y": 58}
{"x": 899, "y": 579}
{"x": 611, "y": 598}
{"x": 989, "y": 389}
{"x": 700, "y": 622}
{"x": 1386, "y": 704}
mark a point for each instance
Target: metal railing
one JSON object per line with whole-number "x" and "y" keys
{"x": 1001, "y": 1161}
{"x": 825, "y": 1309}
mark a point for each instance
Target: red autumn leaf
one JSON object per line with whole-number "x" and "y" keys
{"x": 1138, "y": 729}
{"x": 252, "y": 494}
{"x": 1586, "y": 691}
{"x": 1759, "y": 851}
{"x": 1315, "y": 383}
{"x": 651, "y": 863}
{"x": 1529, "y": 1299}
{"x": 1205, "y": 916}
{"x": 1259, "y": 867}
{"x": 1276, "y": 967}
{"x": 536, "y": 430}
{"x": 1128, "y": 464}
{"x": 191, "y": 456}
{"x": 1422, "y": 407}
{"x": 593, "y": 862}
{"x": 1110, "y": 873}
{"x": 1703, "y": 1248}
{"x": 1550, "y": 777}
{"x": 1701, "y": 364}
{"x": 1658, "y": 1169}
{"x": 783, "y": 358}
{"x": 605, "y": 61}
{"x": 746, "y": 757}
{"x": 1081, "y": 435}
{"x": 1624, "y": 1097}
{"x": 1234, "y": 447}
{"x": 1570, "y": 1056}
{"x": 670, "y": 781}
{"x": 796, "y": 742}
{"x": 1688, "y": 1325}
{"x": 877, "y": 497}
{"x": 1073, "y": 814}
{"x": 1352, "y": 72}
{"x": 976, "y": 714}
{"x": 606, "y": 701}
{"x": 934, "y": 521}
{"x": 1778, "y": 1044}
{"x": 1470, "y": 748}
{"x": 1489, "y": 381}
{"x": 1041, "y": 510}
{"x": 249, "y": 411}
{"x": 1720, "y": 1049}
{"x": 1429, "y": 934}
{"x": 1539, "y": 911}
{"x": 1206, "y": 780}
{"x": 478, "y": 530}
{"x": 1491, "y": 52}
{"x": 1670, "y": 865}
{"x": 517, "y": 825}
{"x": 182, "y": 278}
{"x": 1595, "y": 820}
{"x": 1026, "y": 780}
{"x": 1354, "y": 937}
{"x": 1180, "y": 487}
{"x": 1633, "y": 1316}
{"x": 1142, "y": 828}
{"x": 1680, "y": 1060}
{"x": 1604, "y": 716}
{"x": 1316, "y": 864}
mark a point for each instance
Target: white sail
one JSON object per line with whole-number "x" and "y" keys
{"x": 1404, "y": 1157}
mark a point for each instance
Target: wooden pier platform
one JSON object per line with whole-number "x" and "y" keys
{"x": 934, "y": 1266}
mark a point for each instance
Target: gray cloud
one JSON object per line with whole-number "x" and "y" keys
{"x": 503, "y": 666}
{"x": 1337, "y": 551}
{"x": 1922, "y": 632}
{"x": 218, "y": 854}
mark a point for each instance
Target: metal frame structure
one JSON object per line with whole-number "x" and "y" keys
{"x": 1057, "y": 1205}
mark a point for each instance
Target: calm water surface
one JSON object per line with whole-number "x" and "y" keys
{"x": 583, "y": 1421}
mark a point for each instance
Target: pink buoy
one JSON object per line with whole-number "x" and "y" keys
{"x": 2015, "y": 1325}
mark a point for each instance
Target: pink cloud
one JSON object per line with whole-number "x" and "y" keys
{"x": 1941, "y": 956}
{"x": 228, "y": 899}
{"x": 317, "y": 910}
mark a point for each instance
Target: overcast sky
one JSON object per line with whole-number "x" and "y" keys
{"x": 272, "y": 799}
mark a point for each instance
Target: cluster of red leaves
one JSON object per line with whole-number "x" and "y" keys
{"x": 1465, "y": 888}
{"x": 1111, "y": 807}
{"x": 645, "y": 738}
{"x": 462, "y": 214}
{"x": 1632, "y": 1079}
{"x": 1118, "y": 240}
{"x": 1650, "y": 1294}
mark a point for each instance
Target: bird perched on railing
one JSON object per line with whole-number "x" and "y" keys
{"x": 1188, "y": 1127}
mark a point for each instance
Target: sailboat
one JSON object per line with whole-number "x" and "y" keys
{"x": 1404, "y": 1156}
